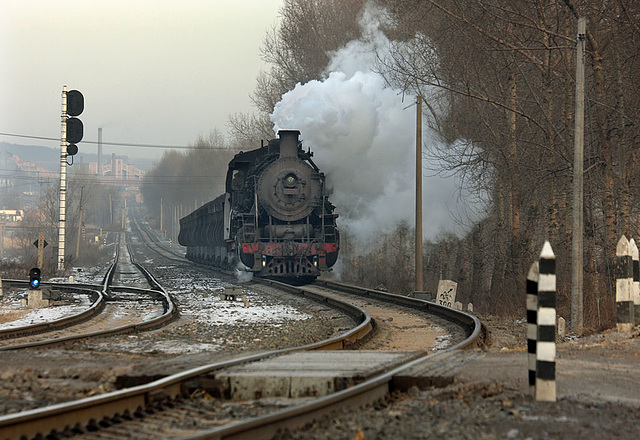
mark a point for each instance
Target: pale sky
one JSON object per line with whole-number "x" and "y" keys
{"x": 151, "y": 71}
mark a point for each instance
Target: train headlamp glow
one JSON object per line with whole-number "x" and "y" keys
{"x": 264, "y": 260}
{"x": 290, "y": 179}
{"x": 315, "y": 261}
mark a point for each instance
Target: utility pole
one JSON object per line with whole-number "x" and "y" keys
{"x": 79, "y": 225}
{"x": 577, "y": 268}
{"x": 124, "y": 213}
{"x": 1, "y": 242}
{"x": 63, "y": 181}
{"x": 418, "y": 250}
{"x": 41, "y": 244}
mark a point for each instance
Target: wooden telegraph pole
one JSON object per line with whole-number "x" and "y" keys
{"x": 79, "y": 225}
{"x": 419, "y": 282}
{"x": 41, "y": 244}
{"x": 578, "y": 165}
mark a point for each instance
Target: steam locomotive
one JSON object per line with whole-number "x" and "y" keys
{"x": 274, "y": 217}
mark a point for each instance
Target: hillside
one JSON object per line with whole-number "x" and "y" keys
{"x": 49, "y": 158}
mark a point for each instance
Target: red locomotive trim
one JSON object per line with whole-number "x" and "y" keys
{"x": 289, "y": 249}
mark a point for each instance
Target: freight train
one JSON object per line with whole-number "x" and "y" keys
{"x": 275, "y": 216}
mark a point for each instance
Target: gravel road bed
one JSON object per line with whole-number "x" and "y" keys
{"x": 490, "y": 399}
{"x": 209, "y": 329}
{"x": 598, "y": 375}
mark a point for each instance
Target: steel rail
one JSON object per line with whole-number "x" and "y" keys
{"x": 57, "y": 418}
{"x": 470, "y": 323}
{"x": 157, "y": 247}
{"x": 96, "y": 307}
{"x": 170, "y": 311}
{"x": 370, "y": 391}
{"x": 128, "y": 401}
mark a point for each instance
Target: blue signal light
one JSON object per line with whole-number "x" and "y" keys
{"x": 34, "y": 278}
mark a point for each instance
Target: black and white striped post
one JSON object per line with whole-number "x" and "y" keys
{"x": 546, "y": 331}
{"x": 624, "y": 286}
{"x": 635, "y": 290}
{"x": 532, "y": 323}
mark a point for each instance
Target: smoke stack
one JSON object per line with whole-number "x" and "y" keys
{"x": 100, "y": 151}
{"x": 288, "y": 143}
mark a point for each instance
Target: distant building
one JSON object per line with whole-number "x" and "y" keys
{"x": 11, "y": 215}
{"x": 118, "y": 169}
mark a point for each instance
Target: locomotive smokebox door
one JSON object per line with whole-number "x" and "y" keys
{"x": 287, "y": 189}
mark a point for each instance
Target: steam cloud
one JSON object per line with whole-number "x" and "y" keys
{"x": 363, "y": 136}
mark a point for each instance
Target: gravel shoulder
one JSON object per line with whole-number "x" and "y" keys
{"x": 598, "y": 387}
{"x": 598, "y": 368}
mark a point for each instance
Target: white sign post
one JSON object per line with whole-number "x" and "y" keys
{"x": 446, "y": 293}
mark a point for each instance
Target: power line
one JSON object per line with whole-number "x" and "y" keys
{"x": 147, "y": 180}
{"x": 120, "y": 144}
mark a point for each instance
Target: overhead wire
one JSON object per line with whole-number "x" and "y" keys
{"x": 121, "y": 144}
{"x": 148, "y": 179}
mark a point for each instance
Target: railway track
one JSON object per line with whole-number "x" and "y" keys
{"x": 179, "y": 405}
{"x": 150, "y": 239}
{"x": 113, "y": 309}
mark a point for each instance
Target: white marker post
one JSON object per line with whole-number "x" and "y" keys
{"x": 546, "y": 340}
{"x": 635, "y": 290}
{"x": 624, "y": 286}
{"x": 446, "y": 295}
{"x": 532, "y": 323}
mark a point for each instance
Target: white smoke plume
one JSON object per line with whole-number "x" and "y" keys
{"x": 363, "y": 136}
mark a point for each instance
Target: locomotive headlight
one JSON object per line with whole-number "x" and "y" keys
{"x": 290, "y": 180}
{"x": 264, "y": 260}
{"x": 315, "y": 260}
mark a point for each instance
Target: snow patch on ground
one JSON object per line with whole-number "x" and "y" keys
{"x": 37, "y": 316}
{"x": 203, "y": 301}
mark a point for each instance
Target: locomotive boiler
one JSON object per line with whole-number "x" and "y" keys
{"x": 274, "y": 217}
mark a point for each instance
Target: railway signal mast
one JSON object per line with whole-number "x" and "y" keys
{"x": 72, "y": 132}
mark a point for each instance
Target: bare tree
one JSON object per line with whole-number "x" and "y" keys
{"x": 298, "y": 51}
{"x": 507, "y": 68}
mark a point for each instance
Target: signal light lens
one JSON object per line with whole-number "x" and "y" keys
{"x": 34, "y": 278}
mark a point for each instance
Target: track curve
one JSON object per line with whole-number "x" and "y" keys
{"x": 125, "y": 403}
{"x": 102, "y": 318}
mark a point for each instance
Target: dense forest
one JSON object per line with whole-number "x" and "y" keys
{"x": 498, "y": 79}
